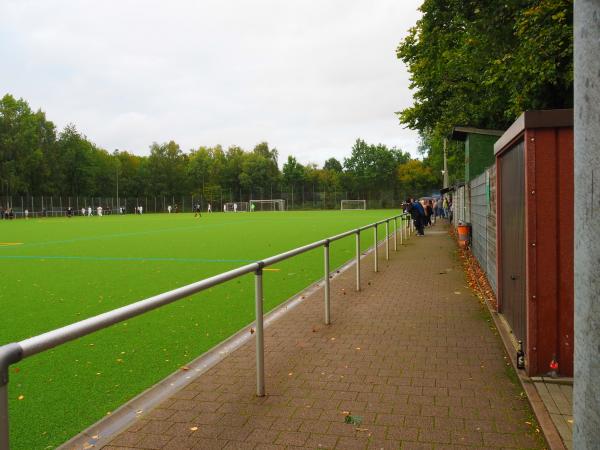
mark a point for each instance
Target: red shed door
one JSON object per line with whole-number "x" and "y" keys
{"x": 512, "y": 257}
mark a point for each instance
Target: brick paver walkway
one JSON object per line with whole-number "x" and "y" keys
{"x": 414, "y": 355}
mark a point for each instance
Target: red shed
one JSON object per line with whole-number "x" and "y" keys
{"x": 535, "y": 213}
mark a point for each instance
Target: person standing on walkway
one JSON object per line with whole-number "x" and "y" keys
{"x": 416, "y": 211}
{"x": 445, "y": 207}
{"x": 428, "y": 212}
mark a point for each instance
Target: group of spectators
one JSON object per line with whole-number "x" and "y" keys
{"x": 6, "y": 213}
{"x": 424, "y": 212}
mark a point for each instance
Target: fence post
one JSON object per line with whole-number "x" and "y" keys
{"x": 260, "y": 342}
{"x": 375, "y": 253}
{"x": 327, "y": 294}
{"x": 387, "y": 239}
{"x": 357, "y": 260}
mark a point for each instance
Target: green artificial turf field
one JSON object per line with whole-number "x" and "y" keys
{"x": 64, "y": 270}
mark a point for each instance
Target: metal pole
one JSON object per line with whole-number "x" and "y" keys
{"x": 395, "y": 234}
{"x": 9, "y": 354}
{"x": 375, "y": 254}
{"x": 387, "y": 239}
{"x": 586, "y": 390}
{"x": 260, "y": 341}
{"x": 445, "y": 183}
{"x": 327, "y": 295}
{"x": 402, "y": 228}
{"x": 357, "y": 260}
{"x": 4, "y": 425}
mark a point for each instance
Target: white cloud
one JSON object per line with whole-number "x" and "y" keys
{"x": 307, "y": 76}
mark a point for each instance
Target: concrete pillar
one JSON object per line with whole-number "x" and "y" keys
{"x": 586, "y": 396}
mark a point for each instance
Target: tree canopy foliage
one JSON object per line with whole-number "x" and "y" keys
{"x": 35, "y": 159}
{"x": 481, "y": 63}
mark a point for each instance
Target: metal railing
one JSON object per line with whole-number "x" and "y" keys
{"x": 17, "y": 351}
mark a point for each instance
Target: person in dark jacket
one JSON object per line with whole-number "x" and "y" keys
{"x": 416, "y": 211}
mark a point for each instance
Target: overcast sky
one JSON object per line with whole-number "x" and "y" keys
{"x": 307, "y": 76}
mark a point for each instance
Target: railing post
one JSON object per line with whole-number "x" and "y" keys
{"x": 402, "y": 227}
{"x": 4, "y": 425}
{"x": 327, "y": 295}
{"x": 387, "y": 240}
{"x": 9, "y": 354}
{"x": 395, "y": 234}
{"x": 357, "y": 260}
{"x": 260, "y": 341}
{"x": 375, "y": 253}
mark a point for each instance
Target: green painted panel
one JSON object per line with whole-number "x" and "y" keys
{"x": 479, "y": 154}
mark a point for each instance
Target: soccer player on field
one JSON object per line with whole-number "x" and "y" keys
{"x": 209, "y": 208}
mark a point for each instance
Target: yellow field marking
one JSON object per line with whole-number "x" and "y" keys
{"x": 271, "y": 270}
{"x": 6, "y": 244}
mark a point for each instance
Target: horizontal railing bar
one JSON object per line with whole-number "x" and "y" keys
{"x": 342, "y": 235}
{"x": 45, "y": 341}
{"x": 286, "y": 255}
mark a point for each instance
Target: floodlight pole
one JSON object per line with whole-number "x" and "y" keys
{"x": 117, "y": 171}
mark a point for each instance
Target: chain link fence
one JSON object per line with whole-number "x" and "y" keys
{"x": 483, "y": 222}
{"x": 24, "y": 206}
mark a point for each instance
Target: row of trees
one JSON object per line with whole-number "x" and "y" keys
{"x": 481, "y": 63}
{"x": 36, "y": 159}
